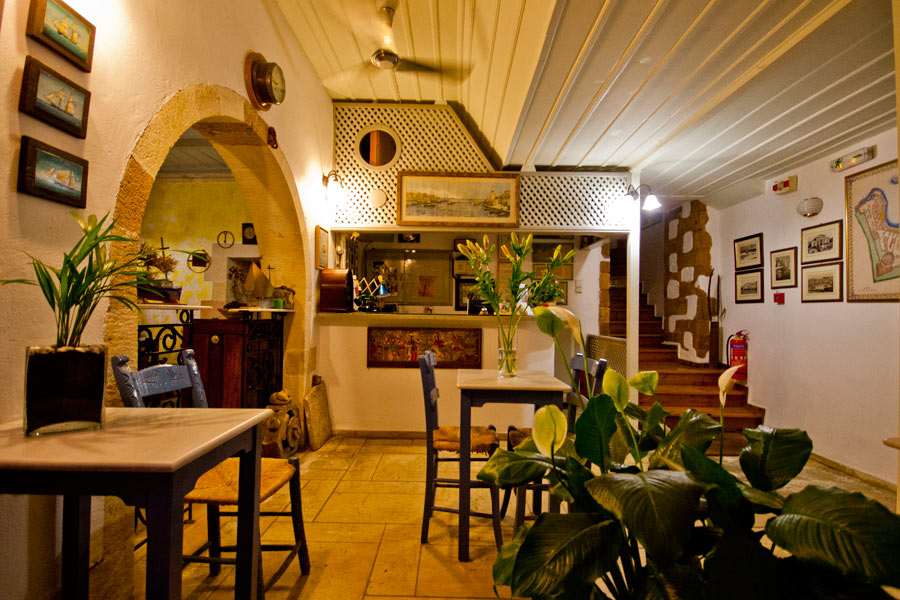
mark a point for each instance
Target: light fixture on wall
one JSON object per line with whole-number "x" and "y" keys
{"x": 810, "y": 207}
{"x": 334, "y": 186}
{"x": 650, "y": 200}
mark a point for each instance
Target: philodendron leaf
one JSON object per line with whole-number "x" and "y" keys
{"x": 694, "y": 429}
{"x": 658, "y": 507}
{"x": 774, "y": 456}
{"x": 645, "y": 381}
{"x": 728, "y": 508}
{"x": 856, "y": 535}
{"x": 594, "y": 430}
{"x": 763, "y": 502}
{"x": 560, "y": 547}
{"x": 507, "y": 469}
{"x": 550, "y": 429}
{"x": 615, "y": 386}
{"x": 506, "y": 557}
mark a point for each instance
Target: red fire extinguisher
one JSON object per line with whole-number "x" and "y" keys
{"x": 737, "y": 353}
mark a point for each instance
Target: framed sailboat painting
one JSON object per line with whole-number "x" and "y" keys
{"x": 58, "y": 26}
{"x": 54, "y": 99}
{"x": 51, "y": 173}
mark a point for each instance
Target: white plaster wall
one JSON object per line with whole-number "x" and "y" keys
{"x": 586, "y": 303}
{"x": 144, "y": 53}
{"x": 380, "y": 399}
{"x": 828, "y": 368}
{"x": 653, "y": 264}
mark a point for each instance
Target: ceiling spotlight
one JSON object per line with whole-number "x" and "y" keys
{"x": 385, "y": 59}
{"x": 810, "y": 207}
{"x": 651, "y": 202}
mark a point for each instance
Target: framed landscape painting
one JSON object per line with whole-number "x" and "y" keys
{"x": 748, "y": 252}
{"x": 783, "y": 265}
{"x": 873, "y": 259}
{"x": 748, "y": 286}
{"x": 458, "y": 199}
{"x": 53, "y": 98}
{"x": 59, "y": 27}
{"x": 821, "y": 243}
{"x": 822, "y": 283}
{"x": 51, "y": 173}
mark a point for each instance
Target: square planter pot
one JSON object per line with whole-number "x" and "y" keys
{"x": 64, "y": 388}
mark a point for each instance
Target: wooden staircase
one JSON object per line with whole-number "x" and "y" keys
{"x": 681, "y": 385}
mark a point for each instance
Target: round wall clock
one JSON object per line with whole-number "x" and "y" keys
{"x": 264, "y": 81}
{"x": 225, "y": 239}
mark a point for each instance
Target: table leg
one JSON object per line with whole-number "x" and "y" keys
{"x": 465, "y": 451}
{"x": 76, "y": 546}
{"x": 165, "y": 533}
{"x": 247, "y": 575}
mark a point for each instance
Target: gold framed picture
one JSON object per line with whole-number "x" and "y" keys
{"x": 321, "y": 248}
{"x": 458, "y": 199}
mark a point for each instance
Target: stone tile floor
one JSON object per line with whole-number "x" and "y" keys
{"x": 362, "y": 507}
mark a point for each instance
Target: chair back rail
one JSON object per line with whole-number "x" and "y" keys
{"x": 135, "y": 386}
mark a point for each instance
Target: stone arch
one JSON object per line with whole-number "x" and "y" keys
{"x": 239, "y": 134}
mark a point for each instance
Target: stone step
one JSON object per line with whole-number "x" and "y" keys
{"x": 656, "y": 355}
{"x": 651, "y": 340}
{"x": 696, "y": 396}
{"x": 644, "y": 326}
{"x": 678, "y": 374}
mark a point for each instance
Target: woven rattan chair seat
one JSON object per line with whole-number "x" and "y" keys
{"x": 447, "y": 438}
{"x": 219, "y": 485}
{"x": 517, "y": 436}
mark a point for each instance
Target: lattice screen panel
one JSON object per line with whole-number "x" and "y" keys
{"x": 432, "y": 138}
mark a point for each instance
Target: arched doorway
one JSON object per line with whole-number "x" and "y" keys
{"x": 239, "y": 135}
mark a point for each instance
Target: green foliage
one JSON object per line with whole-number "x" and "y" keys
{"x": 89, "y": 273}
{"x": 651, "y": 516}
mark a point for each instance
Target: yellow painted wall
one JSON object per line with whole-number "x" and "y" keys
{"x": 189, "y": 216}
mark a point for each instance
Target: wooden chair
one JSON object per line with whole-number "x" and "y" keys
{"x": 218, "y": 487}
{"x": 484, "y": 441}
{"x": 515, "y": 436}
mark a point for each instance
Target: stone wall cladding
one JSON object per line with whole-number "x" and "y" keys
{"x": 688, "y": 269}
{"x": 603, "y": 316}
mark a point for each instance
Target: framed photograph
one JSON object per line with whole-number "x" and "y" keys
{"x": 59, "y": 27}
{"x": 873, "y": 262}
{"x": 565, "y": 294}
{"x": 748, "y": 286}
{"x": 427, "y": 280}
{"x": 821, "y": 243}
{"x": 783, "y": 266}
{"x": 54, "y": 99}
{"x": 822, "y": 283}
{"x": 464, "y": 285}
{"x": 748, "y": 252}
{"x": 51, "y": 173}
{"x": 321, "y": 248}
{"x": 462, "y": 266}
{"x": 543, "y": 253}
{"x": 561, "y": 272}
{"x": 248, "y": 234}
{"x": 458, "y": 199}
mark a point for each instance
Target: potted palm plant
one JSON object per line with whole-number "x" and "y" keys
{"x": 64, "y": 383}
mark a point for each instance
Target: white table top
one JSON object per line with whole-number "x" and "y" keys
{"x": 489, "y": 379}
{"x": 159, "y": 440}
{"x": 163, "y": 306}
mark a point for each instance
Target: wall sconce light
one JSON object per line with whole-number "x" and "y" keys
{"x": 810, "y": 207}
{"x": 334, "y": 186}
{"x": 650, "y": 200}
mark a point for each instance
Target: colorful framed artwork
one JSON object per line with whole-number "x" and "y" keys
{"x": 822, "y": 283}
{"x": 783, "y": 268}
{"x": 400, "y": 347}
{"x": 821, "y": 243}
{"x": 464, "y": 285}
{"x": 321, "y": 248}
{"x": 53, "y": 98}
{"x": 458, "y": 199}
{"x": 873, "y": 260}
{"x": 748, "y": 286}
{"x": 59, "y": 27}
{"x": 748, "y": 252}
{"x": 51, "y": 173}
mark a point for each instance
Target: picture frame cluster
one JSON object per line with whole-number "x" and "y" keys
{"x": 748, "y": 269}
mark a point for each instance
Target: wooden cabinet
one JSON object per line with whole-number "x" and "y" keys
{"x": 240, "y": 361}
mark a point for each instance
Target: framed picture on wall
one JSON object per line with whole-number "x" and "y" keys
{"x": 565, "y": 293}
{"x": 464, "y": 285}
{"x": 59, "y": 27}
{"x": 748, "y": 286}
{"x": 783, "y": 268}
{"x": 321, "y": 248}
{"x": 822, "y": 283}
{"x": 53, "y": 98}
{"x": 821, "y": 243}
{"x": 51, "y": 173}
{"x": 748, "y": 252}
{"x": 873, "y": 264}
{"x": 458, "y": 199}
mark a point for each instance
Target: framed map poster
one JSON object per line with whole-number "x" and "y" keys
{"x": 873, "y": 255}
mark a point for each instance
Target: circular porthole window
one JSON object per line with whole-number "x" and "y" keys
{"x": 377, "y": 147}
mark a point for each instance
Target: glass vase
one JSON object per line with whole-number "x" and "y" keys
{"x": 507, "y": 356}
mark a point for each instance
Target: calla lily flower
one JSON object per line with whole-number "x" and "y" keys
{"x": 571, "y": 320}
{"x": 550, "y": 429}
{"x": 548, "y": 321}
{"x": 726, "y": 383}
{"x": 615, "y": 386}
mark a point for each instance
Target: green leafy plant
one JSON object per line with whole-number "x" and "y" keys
{"x": 651, "y": 517}
{"x": 89, "y": 273}
{"x": 525, "y": 289}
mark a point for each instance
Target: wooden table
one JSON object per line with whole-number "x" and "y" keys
{"x": 150, "y": 458}
{"x": 478, "y": 387}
